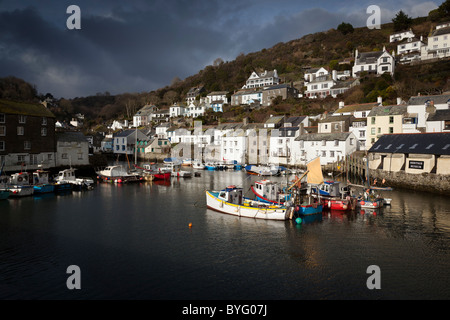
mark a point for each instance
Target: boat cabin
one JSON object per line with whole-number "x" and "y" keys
{"x": 66, "y": 175}
{"x": 269, "y": 190}
{"x": 231, "y": 194}
{"x": 331, "y": 189}
{"x": 40, "y": 177}
{"x": 20, "y": 179}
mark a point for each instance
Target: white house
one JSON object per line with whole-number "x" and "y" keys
{"x": 420, "y": 109}
{"x": 281, "y": 150}
{"x": 263, "y": 79}
{"x": 196, "y": 109}
{"x": 314, "y": 73}
{"x": 399, "y": 36}
{"x": 177, "y": 111}
{"x": 330, "y": 147}
{"x": 320, "y": 87}
{"x": 217, "y": 96}
{"x": 161, "y": 130}
{"x": 410, "y": 50}
{"x": 438, "y": 43}
{"x": 144, "y": 115}
{"x": 234, "y": 146}
{"x": 72, "y": 149}
{"x": 377, "y": 62}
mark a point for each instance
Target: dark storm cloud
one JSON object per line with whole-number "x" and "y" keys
{"x": 139, "y": 45}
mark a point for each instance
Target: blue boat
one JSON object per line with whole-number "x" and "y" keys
{"x": 41, "y": 183}
{"x": 210, "y": 166}
{"x": 308, "y": 209}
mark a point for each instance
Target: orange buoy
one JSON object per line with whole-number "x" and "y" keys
{"x": 190, "y": 224}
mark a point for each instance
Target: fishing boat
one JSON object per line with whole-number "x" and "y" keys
{"x": 187, "y": 162}
{"x": 4, "y": 191}
{"x": 211, "y": 166}
{"x": 175, "y": 170}
{"x": 41, "y": 182}
{"x": 78, "y": 184}
{"x": 197, "y": 164}
{"x": 19, "y": 185}
{"x": 333, "y": 195}
{"x": 269, "y": 192}
{"x": 262, "y": 170}
{"x": 151, "y": 171}
{"x": 117, "y": 174}
{"x": 231, "y": 201}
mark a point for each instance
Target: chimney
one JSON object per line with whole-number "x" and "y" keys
{"x": 341, "y": 104}
{"x": 334, "y": 75}
{"x": 245, "y": 121}
{"x": 380, "y": 101}
{"x": 399, "y": 101}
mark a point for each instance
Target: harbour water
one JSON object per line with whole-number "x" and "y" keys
{"x": 134, "y": 242}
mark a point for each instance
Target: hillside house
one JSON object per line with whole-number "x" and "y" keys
{"x": 193, "y": 93}
{"x": 247, "y": 97}
{"x": 376, "y": 62}
{"x": 282, "y": 90}
{"x": 263, "y": 79}
{"x": 410, "y": 50}
{"x": 217, "y": 96}
{"x": 438, "y": 43}
{"x": 144, "y": 115}
{"x": 400, "y": 36}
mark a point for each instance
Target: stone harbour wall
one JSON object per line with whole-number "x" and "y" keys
{"x": 428, "y": 182}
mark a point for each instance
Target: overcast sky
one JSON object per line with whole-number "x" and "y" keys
{"x": 137, "y": 45}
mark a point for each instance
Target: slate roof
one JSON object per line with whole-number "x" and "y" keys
{"x": 387, "y": 111}
{"x": 439, "y": 115}
{"x": 441, "y": 31}
{"x": 437, "y": 99}
{"x": 330, "y": 119}
{"x": 418, "y": 143}
{"x": 71, "y": 136}
{"x": 323, "y": 136}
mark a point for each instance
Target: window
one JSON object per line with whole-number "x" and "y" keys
{"x": 64, "y": 156}
{"x": 20, "y": 131}
{"x": 27, "y": 145}
{"x": 43, "y": 132}
{"x": 447, "y": 125}
{"x": 332, "y": 154}
{"x": 44, "y": 121}
{"x": 391, "y": 129}
{"x": 364, "y": 114}
{"x": 2, "y": 118}
{"x": 372, "y": 131}
{"x": 326, "y": 126}
{"x": 362, "y": 134}
{"x": 80, "y": 156}
{"x": 2, "y": 145}
{"x": 2, "y": 131}
{"x": 324, "y": 143}
{"x": 33, "y": 159}
{"x": 22, "y": 119}
{"x": 391, "y": 119}
{"x": 50, "y": 157}
{"x": 336, "y": 143}
{"x": 324, "y": 154}
{"x": 21, "y": 159}
{"x": 351, "y": 141}
{"x": 373, "y": 120}
{"x": 379, "y": 130}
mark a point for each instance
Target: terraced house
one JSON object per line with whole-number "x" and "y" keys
{"x": 27, "y": 136}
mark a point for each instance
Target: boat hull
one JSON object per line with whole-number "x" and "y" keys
{"x": 263, "y": 212}
{"x": 44, "y": 188}
{"x": 337, "y": 204}
{"x": 63, "y": 187}
{"x": 368, "y": 204}
{"x": 4, "y": 194}
{"x": 21, "y": 191}
{"x": 310, "y": 209}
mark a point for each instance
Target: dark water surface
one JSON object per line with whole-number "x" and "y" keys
{"x": 134, "y": 242}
